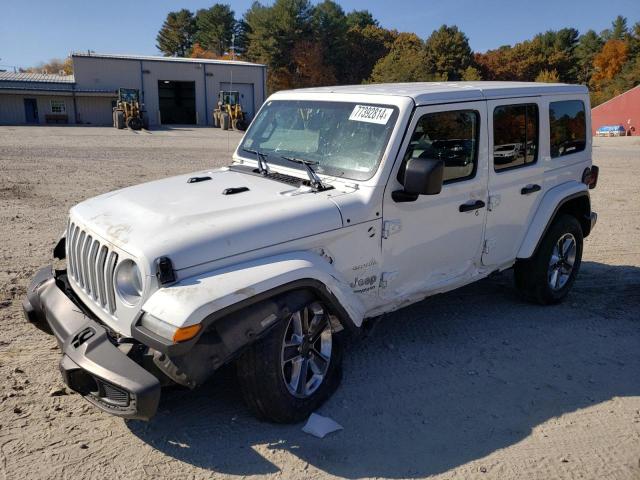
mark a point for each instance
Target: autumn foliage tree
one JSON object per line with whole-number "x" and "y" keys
{"x": 609, "y": 62}
{"x": 405, "y": 61}
{"x": 53, "y": 66}
{"x": 307, "y": 44}
{"x": 197, "y": 51}
{"x": 447, "y": 53}
{"x": 310, "y": 68}
{"x": 548, "y": 76}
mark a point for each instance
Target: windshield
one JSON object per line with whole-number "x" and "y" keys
{"x": 343, "y": 139}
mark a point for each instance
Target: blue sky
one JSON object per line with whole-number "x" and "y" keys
{"x": 32, "y": 31}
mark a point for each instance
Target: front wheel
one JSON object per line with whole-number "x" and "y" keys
{"x": 288, "y": 374}
{"x": 225, "y": 121}
{"x": 547, "y": 277}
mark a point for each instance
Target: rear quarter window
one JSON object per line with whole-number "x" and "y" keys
{"x": 568, "y": 127}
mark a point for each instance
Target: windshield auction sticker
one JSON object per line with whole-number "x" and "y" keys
{"x": 364, "y": 113}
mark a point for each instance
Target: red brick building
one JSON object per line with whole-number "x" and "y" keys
{"x": 621, "y": 110}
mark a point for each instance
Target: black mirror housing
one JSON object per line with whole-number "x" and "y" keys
{"x": 423, "y": 176}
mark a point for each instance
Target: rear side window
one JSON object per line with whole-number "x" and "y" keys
{"x": 450, "y": 136}
{"x": 568, "y": 126}
{"x": 515, "y": 136}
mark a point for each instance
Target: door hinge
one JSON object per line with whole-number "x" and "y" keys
{"x": 387, "y": 277}
{"x": 389, "y": 227}
{"x": 494, "y": 201}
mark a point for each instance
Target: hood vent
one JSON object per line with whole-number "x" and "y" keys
{"x": 234, "y": 190}
{"x": 198, "y": 179}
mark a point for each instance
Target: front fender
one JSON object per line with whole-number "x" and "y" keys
{"x": 549, "y": 205}
{"x": 193, "y": 299}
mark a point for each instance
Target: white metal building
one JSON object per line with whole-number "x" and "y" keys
{"x": 174, "y": 90}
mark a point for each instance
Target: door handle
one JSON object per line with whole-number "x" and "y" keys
{"x": 530, "y": 189}
{"x": 467, "y": 207}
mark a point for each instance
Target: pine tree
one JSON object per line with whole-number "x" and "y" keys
{"x": 214, "y": 28}
{"x": 175, "y": 38}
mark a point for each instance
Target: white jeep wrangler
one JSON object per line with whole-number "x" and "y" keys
{"x": 340, "y": 204}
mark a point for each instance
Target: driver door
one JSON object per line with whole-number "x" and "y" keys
{"x": 436, "y": 240}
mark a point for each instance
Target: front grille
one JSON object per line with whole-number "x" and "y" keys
{"x": 92, "y": 266}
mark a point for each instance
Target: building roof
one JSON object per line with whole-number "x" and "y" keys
{"x": 432, "y": 92}
{"x": 150, "y": 58}
{"x": 35, "y": 77}
{"x": 617, "y": 97}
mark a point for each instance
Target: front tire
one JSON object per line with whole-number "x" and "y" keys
{"x": 225, "y": 121}
{"x": 119, "y": 121}
{"x": 288, "y": 374}
{"x": 547, "y": 277}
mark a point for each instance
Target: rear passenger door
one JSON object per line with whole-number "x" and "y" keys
{"x": 516, "y": 176}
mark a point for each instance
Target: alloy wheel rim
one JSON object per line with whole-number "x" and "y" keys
{"x": 562, "y": 261}
{"x": 306, "y": 350}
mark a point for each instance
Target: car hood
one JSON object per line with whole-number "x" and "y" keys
{"x": 194, "y": 223}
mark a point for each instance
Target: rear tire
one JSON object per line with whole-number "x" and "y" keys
{"x": 288, "y": 374}
{"x": 134, "y": 123}
{"x": 547, "y": 277}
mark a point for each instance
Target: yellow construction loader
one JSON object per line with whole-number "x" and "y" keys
{"x": 228, "y": 113}
{"x": 129, "y": 112}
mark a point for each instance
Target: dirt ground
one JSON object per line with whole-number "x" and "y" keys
{"x": 470, "y": 384}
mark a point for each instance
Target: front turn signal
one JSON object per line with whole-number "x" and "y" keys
{"x": 186, "y": 333}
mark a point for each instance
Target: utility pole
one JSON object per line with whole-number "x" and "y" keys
{"x": 233, "y": 46}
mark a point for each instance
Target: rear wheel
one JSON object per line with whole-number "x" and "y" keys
{"x": 134, "y": 123}
{"x": 547, "y": 277}
{"x": 288, "y": 374}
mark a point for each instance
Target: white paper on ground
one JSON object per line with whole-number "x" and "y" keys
{"x": 320, "y": 426}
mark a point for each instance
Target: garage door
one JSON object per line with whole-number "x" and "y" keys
{"x": 246, "y": 95}
{"x": 177, "y": 101}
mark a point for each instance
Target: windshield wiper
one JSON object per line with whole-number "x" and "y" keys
{"x": 315, "y": 180}
{"x": 263, "y": 167}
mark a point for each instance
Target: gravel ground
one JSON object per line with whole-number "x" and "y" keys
{"x": 470, "y": 384}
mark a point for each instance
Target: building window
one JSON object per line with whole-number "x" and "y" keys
{"x": 58, "y": 106}
{"x": 515, "y": 136}
{"x": 568, "y": 126}
{"x": 451, "y": 136}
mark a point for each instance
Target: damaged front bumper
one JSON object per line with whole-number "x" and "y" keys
{"x": 92, "y": 363}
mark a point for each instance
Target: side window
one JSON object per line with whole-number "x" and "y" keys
{"x": 567, "y": 122}
{"x": 515, "y": 136}
{"x": 449, "y": 136}
{"x": 58, "y": 106}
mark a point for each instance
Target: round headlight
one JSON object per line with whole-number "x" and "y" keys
{"x": 128, "y": 282}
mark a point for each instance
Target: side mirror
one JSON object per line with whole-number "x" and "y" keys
{"x": 422, "y": 176}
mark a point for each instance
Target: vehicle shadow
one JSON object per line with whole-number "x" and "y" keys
{"x": 436, "y": 385}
